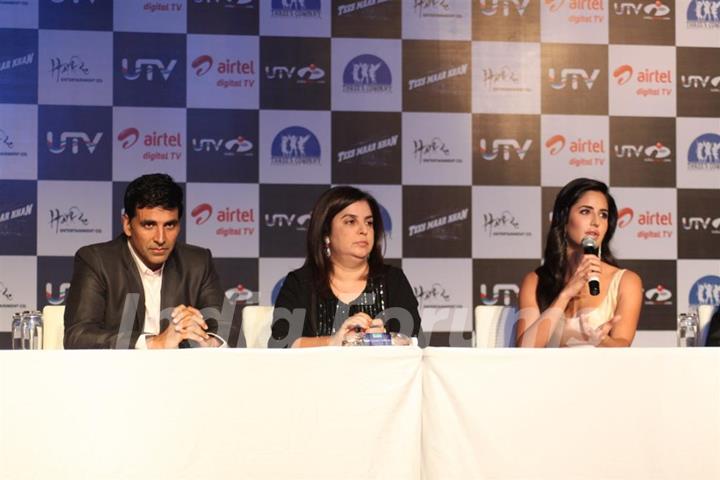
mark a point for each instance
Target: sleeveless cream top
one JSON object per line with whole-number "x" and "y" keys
{"x": 569, "y": 333}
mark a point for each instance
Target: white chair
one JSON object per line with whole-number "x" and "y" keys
{"x": 705, "y": 313}
{"x": 494, "y": 326}
{"x": 53, "y": 327}
{"x": 256, "y": 323}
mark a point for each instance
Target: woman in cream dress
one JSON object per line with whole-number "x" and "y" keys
{"x": 556, "y": 307}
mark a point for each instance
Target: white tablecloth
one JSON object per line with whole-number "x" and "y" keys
{"x": 571, "y": 414}
{"x": 240, "y": 414}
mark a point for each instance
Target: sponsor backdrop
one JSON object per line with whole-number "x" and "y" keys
{"x": 463, "y": 117}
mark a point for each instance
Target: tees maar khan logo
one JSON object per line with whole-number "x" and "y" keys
{"x": 368, "y": 148}
{"x": 230, "y": 147}
{"x": 74, "y": 139}
{"x": 149, "y": 66}
{"x": 658, "y": 295}
{"x": 702, "y": 223}
{"x": 204, "y": 212}
{"x": 295, "y": 146}
{"x": 703, "y": 14}
{"x": 367, "y": 73}
{"x": 284, "y": 220}
{"x": 701, "y": 81}
{"x": 649, "y": 11}
{"x": 503, "y": 79}
{"x": 295, "y": 8}
{"x": 303, "y": 75}
{"x": 492, "y": 7}
{"x": 657, "y": 153}
{"x": 357, "y": 6}
{"x": 704, "y": 152}
{"x": 434, "y": 226}
{"x": 204, "y": 63}
{"x": 706, "y": 291}
{"x": 24, "y": 211}
{"x": 17, "y": 62}
{"x": 504, "y": 147}
{"x": 583, "y": 148}
{"x": 507, "y": 291}
{"x": 437, "y": 77}
{"x": 62, "y": 293}
{"x": 574, "y": 76}
{"x": 624, "y": 73}
{"x": 652, "y": 222}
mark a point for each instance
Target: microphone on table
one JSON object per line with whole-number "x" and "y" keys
{"x": 589, "y": 248}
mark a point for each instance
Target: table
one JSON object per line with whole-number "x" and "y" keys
{"x": 571, "y": 414}
{"x": 361, "y": 413}
{"x": 211, "y": 414}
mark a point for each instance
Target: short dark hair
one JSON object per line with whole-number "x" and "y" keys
{"x": 330, "y": 203}
{"x": 153, "y": 190}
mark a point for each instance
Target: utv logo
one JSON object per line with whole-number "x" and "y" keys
{"x": 74, "y": 140}
{"x": 295, "y": 221}
{"x": 367, "y": 74}
{"x": 295, "y": 8}
{"x": 308, "y": 74}
{"x": 704, "y": 152}
{"x": 62, "y": 293}
{"x": 701, "y": 81}
{"x": 504, "y": 147}
{"x": 703, "y": 14}
{"x": 492, "y": 7}
{"x": 702, "y": 224}
{"x": 573, "y": 76}
{"x": 657, "y": 153}
{"x": 295, "y": 146}
{"x": 504, "y": 292}
{"x": 227, "y": 147}
{"x": 649, "y": 11}
{"x": 658, "y": 295}
{"x": 149, "y": 66}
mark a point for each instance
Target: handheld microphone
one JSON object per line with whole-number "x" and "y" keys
{"x": 589, "y": 248}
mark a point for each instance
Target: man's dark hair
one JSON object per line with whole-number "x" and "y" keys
{"x": 153, "y": 190}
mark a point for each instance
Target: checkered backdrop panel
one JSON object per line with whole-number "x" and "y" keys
{"x": 463, "y": 118}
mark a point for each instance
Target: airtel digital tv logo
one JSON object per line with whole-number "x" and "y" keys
{"x": 148, "y": 66}
{"x": 74, "y": 140}
{"x": 503, "y": 147}
{"x": 573, "y": 77}
{"x": 591, "y": 5}
{"x": 204, "y": 63}
{"x": 130, "y": 136}
{"x": 203, "y": 212}
{"x": 492, "y": 7}
{"x": 624, "y": 73}
{"x": 649, "y": 10}
{"x": 657, "y": 153}
{"x": 556, "y": 144}
{"x": 651, "y": 223}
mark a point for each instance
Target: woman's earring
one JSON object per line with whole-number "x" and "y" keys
{"x": 326, "y": 249}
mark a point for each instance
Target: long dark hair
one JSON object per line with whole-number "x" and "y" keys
{"x": 329, "y": 204}
{"x": 551, "y": 275}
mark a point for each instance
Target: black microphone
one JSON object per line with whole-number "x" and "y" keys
{"x": 588, "y": 244}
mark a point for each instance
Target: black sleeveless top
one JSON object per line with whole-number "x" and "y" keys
{"x": 301, "y": 311}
